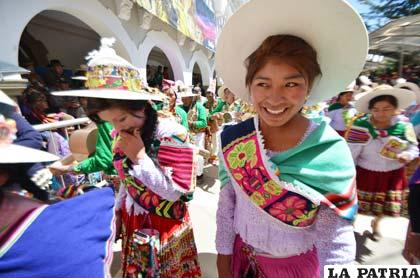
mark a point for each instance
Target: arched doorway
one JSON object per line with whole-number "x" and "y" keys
{"x": 158, "y": 61}
{"x": 56, "y": 35}
{"x": 197, "y": 78}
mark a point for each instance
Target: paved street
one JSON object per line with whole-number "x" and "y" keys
{"x": 386, "y": 251}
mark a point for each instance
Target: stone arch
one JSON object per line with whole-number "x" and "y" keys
{"x": 101, "y": 19}
{"x": 203, "y": 63}
{"x": 169, "y": 46}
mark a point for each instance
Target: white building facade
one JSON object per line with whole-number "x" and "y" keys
{"x": 68, "y": 30}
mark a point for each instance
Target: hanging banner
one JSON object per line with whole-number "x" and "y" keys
{"x": 193, "y": 18}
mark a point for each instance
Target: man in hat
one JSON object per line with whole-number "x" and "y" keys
{"x": 55, "y": 77}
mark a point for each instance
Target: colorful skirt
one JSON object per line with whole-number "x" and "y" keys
{"x": 178, "y": 254}
{"x": 300, "y": 266}
{"x": 382, "y": 193}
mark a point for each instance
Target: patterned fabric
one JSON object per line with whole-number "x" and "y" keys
{"x": 382, "y": 193}
{"x": 59, "y": 239}
{"x": 178, "y": 254}
{"x": 362, "y": 131}
{"x": 244, "y": 160}
{"x": 177, "y": 159}
{"x": 180, "y": 161}
{"x": 143, "y": 253}
{"x": 358, "y": 135}
{"x": 310, "y": 167}
{"x": 115, "y": 77}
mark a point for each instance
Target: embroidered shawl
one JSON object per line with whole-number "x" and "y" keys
{"x": 321, "y": 166}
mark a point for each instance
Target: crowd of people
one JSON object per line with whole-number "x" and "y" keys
{"x": 275, "y": 130}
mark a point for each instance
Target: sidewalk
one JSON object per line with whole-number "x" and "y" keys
{"x": 386, "y": 251}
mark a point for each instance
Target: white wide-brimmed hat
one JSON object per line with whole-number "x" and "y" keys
{"x": 412, "y": 87}
{"x": 112, "y": 77}
{"x": 332, "y": 27}
{"x": 11, "y": 153}
{"x": 404, "y": 97}
{"x": 5, "y": 99}
{"x": 221, "y": 92}
{"x": 186, "y": 91}
{"x": 363, "y": 90}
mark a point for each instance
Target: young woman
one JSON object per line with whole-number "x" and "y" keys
{"x": 287, "y": 202}
{"x": 155, "y": 164}
{"x": 382, "y": 143}
{"x": 342, "y": 112}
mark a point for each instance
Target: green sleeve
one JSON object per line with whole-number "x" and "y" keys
{"x": 157, "y": 106}
{"x": 183, "y": 115}
{"x": 223, "y": 176}
{"x": 219, "y": 107}
{"x": 101, "y": 160}
{"x": 202, "y": 116}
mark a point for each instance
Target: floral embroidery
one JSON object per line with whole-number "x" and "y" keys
{"x": 288, "y": 209}
{"x": 242, "y": 153}
{"x": 257, "y": 198}
{"x": 148, "y": 199}
{"x": 250, "y": 173}
{"x": 273, "y": 188}
{"x": 306, "y": 219}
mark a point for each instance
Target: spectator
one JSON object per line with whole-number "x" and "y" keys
{"x": 23, "y": 175}
{"x": 158, "y": 77}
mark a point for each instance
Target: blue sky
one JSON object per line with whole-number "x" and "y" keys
{"x": 361, "y": 9}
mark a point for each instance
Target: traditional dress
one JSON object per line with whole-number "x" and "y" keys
{"x": 341, "y": 116}
{"x": 381, "y": 182}
{"x": 198, "y": 116}
{"x": 157, "y": 189}
{"x": 302, "y": 196}
{"x": 72, "y": 238}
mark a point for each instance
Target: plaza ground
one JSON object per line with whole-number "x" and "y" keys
{"x": 386, "y": 251}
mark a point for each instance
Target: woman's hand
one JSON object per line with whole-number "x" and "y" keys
{"x": 132, "y": 145}
{"x": 58, "y": 169}
{"x": 224, "y": 266}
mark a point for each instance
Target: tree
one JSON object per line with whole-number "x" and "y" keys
{"x": 389, "y": 9}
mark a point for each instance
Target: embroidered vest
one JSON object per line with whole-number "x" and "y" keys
{"x": 362, "y": 131}
{"x": 183, "y": 177}
{"x": 258, "y": 178}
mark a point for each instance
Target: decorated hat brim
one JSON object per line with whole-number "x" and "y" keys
{"x": 323, "y": 24}
{"x": 404, "y": 97}
{"x": 109, "y": 94}
{"x": 18, "y": 154}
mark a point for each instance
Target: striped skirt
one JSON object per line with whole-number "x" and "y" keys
{"x": 382, "y": 193}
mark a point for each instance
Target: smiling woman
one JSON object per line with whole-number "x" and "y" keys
{"x": 279, "y": 171}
